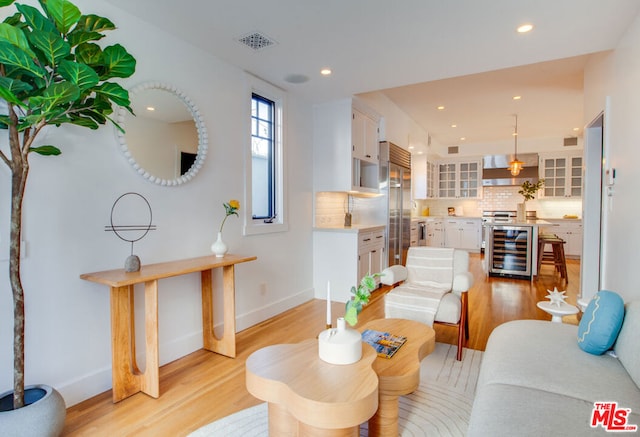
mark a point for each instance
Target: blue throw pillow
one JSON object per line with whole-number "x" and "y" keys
{"x": 601, "y": 322}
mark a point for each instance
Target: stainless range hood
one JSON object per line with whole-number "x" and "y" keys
{"x": 495, "y": 170}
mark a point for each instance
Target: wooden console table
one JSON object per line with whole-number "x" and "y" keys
{"x": 127, "y": 378}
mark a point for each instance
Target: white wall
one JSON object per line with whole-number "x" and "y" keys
{"x": 617, "y": 76}
{"x": 68, "y": 203}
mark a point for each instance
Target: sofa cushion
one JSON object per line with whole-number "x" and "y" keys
{"x": 506, "y": 410}
{"x": 544, "y": 356}
{"x": 627, "y": 346}
{"x": 601, "y": 322}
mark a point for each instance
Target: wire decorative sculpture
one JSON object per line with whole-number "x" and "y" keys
{"x": 123, "y": 231}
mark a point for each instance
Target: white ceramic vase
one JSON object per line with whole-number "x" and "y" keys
{"x": 340, "y": 345}
{"x": 219, "y": 248}
{"x": 521, "y": 212}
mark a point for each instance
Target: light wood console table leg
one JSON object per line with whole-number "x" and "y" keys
{"x": 126, "y": 377}
{"x": 385, "y": 421}
{"x": 226, "y": 345}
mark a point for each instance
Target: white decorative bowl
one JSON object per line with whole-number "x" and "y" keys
{"x": 340, "y": 345}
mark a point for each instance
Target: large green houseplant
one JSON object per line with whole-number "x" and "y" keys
{"x": 52, "y": 72}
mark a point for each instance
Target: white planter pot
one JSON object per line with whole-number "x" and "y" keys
{"x": 43, "y": 416}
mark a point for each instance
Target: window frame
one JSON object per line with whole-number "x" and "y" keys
{"x": 279, "y": 223}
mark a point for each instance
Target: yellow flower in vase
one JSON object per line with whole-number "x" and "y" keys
{"x": 231, "y": 208}
{"x": 219, "y": 247}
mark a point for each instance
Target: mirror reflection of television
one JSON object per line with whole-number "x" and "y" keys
{"x": 186, "y": 161}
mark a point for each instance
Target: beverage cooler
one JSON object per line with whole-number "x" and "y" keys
{"x": 509, "y": 251}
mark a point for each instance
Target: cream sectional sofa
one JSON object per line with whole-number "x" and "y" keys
{"x": 536, "y": 381}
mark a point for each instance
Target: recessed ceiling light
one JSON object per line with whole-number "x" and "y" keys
{"x": 463, "y": 138}
{"x": 517, "y": 97}
{"x": 576, "y": 129}
{"x": 420, "y": 152}
{"x": 150, "y": 108}
{"x": 524, "y": 28}
{"x": 411, "y": 147}
{"x": 454, "y": 125}
{"x": 440, "y": 108}
{"x": 326, "y": 72}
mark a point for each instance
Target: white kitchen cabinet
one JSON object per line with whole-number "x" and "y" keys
{"x": 562, "y": 173}
{"x": 571, "y": 232}
{"x": 459, "y": 179}
{"x": 414, "y": 233}
{"x": 435, "y": 232}
{"x": 345, "y": 133}
{"x": 371, "y": 250}
{"x": 461, "y": 233}
{"x": 432, "y": 179}
{"x": 342, "y": 256}
{"x": 365, "y": 137}
{"x": 424, "y": 177}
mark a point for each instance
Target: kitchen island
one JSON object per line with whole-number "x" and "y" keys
{"x": 512, "y": 249}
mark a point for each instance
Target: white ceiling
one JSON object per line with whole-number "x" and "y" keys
{"x": 463, "y": 54}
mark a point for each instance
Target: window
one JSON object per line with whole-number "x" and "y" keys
{"x": 265, "y": 187}
{"x": 263, "y": 201}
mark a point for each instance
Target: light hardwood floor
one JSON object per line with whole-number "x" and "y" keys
{"x": 203, "y": 386}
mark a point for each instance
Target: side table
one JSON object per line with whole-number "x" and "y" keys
{"x": 309, "y": 397}
{"x": 400, "y": 374}
{"x": 557, "y": 311}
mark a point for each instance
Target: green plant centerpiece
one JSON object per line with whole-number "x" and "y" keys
{"x": 360, "y": 298}
{"x": 52, "y": 72}
{"x": 529, "y": 190}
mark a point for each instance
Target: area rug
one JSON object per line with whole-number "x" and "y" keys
{"x": 441, "y": 405}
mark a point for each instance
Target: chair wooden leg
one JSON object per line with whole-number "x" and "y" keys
{"x": 463, "y": 329}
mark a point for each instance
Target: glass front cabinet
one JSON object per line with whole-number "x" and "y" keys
{"x": 562, "y": 175}
{"x": 459, "y": 179}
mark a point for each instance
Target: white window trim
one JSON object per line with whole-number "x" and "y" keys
{"x": 277, "y": 95}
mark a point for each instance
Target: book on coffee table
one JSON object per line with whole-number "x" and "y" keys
{"x": 385, "y": 343}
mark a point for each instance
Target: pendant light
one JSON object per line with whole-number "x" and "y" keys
{"x": 515, "y": 166}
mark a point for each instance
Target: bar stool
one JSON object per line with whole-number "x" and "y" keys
{"x": 555, "y": 257}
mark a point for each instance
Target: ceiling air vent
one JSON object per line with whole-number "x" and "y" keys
{"x": 453, "y": 150}
{"x": 571, "y": 141}
{"x": 256, "y": 41}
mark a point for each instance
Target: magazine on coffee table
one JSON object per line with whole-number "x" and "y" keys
{"x": 385, "y": 343}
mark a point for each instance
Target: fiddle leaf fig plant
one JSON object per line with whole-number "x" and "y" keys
{"x": 361, "y": 295}
{"x": 52, "y": 72}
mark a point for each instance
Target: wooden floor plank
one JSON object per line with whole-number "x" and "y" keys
{"x": 202, "y": 387}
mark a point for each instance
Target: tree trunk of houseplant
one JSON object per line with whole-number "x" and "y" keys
{"x": 19, "y": 173}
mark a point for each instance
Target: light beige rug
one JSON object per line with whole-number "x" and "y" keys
{"x": 440, "y": 407}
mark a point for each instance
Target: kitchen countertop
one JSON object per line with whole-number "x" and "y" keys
{"x": 532, "y": 223}
{"x": 353, "y": 229}
{"x": 442, "y": 217}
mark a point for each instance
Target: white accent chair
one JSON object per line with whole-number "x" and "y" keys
{"x": 432, "y": 289}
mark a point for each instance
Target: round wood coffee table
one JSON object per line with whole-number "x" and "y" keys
{"x": 309, "y": 397}
{"x": 400, "y": 374}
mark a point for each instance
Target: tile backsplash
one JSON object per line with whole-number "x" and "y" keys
{"x": 331, "y": 206}
{"x": 502, "y": 198}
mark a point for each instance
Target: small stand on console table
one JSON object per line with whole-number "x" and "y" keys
{"x": 127, "y": 378}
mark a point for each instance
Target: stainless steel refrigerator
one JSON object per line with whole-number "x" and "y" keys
{"x": 395, "y": 177}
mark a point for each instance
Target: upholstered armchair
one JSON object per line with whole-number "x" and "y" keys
{"x": 431, "y": 288}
